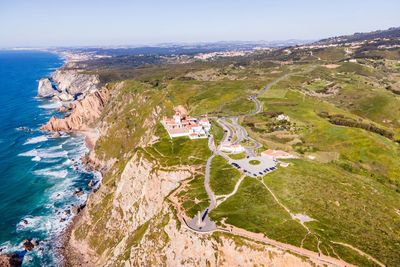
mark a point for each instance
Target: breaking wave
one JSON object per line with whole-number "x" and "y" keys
{"x": 35, "y": 140}
{"x": 53, "y": 105}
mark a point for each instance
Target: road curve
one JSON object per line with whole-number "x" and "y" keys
{"x": 241, "y": 134}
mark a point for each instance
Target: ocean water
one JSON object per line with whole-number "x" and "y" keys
{"x": 38, "y": 172}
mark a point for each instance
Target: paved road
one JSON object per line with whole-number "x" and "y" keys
{"x": 319, "y": 259}
{"x": 207, "y": 186}
{"x": 202, "y": 222}
{"x": 268, "y": 86}
{"x": 234, "y": 133}
{"x": 234, "y": 128}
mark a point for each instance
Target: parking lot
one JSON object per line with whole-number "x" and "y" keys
{"x": 265, "y": 166}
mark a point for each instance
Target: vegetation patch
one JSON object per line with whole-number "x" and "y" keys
{"x": 217, "y": 132}
{"x": 223, "y": 176}
{"x": 254, "y": 209}
{"x": 254, "y": 162}
{"x": 137, "y": 236}
{"x": 214, "y": 97}
{"x": 347, "y": 208}
{"x": 178, "y": 151}
{"x": 194, "y": 197}
{"x": 241, "y": 155}
{"x": 339, "y": 119}
{"x": 125, "y": 116}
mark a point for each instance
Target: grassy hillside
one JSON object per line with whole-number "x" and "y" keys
{"x": 343, "y": 124}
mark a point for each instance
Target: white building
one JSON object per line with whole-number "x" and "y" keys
{"x": 232, "y": 148}
{"x": 182, "y": 125}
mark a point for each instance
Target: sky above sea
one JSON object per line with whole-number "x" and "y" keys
{"x": 132, "y": 22}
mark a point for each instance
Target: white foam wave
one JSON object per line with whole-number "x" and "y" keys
{"x": 58, "y": 195}
{"x": 65, "y": 174}
{"x": 49, "y": 153}
{"x": 35, "y": 140}
{"x": 53, "y": 105}
{"x": 54, "y": 223}
{"x": 48, "y": 160}
{"x": 52, "y": 173}
{"x": 36, "y": 158}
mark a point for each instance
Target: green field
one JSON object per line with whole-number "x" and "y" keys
{"x": 223, "y": 176}
{"x": 214, "y": 97}
{"x": 349, "y": 208}
{"x": 195, "y": 197}
{"x": 217, "y": 132}
{"x": 178, "y": 151}
{"x": 275, "y": 92}
{"x": 241, "y": 155}
{"x": 351, "y": 189}
{"x": 253, "y": 208}
{"x": 342, "y": 210}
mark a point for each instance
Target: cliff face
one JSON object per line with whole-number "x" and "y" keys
{"x": 130, "y": 220}
{"x": 71, "y": 84}
{"x": 74, "y": 82}
{"x": 85, "y": 112}
{"x": 45, "y": 88}
{"x": 143, "y": 230}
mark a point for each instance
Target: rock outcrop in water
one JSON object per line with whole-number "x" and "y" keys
{"x": 84, "y": 113}
{"x": 10, "y": 260}
{"x": 71, "y": 84}
{"x": 15, "y": 259}
{"x": 46, "y": 89}
{"x": 75, "y": 82}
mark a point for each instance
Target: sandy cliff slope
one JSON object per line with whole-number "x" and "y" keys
{"x": 130, "y": 220}
{"x": 85, "y": 112}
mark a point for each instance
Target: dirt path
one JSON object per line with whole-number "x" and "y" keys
{"x": 284, "y": 207}
{"x": 362, "y": 253}
{"x": 225, "y": 197}
{"x": 207, "y": 186}
{"x": 232, "y": 129}
{"x": 316, "y": 257}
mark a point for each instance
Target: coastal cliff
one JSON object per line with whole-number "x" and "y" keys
{"x": 141, "y": 228}
{"x": 133, "y": 220}
{"x": 68, "y": 84}
{"x": 46, "y": 89}
{"x": 75, "y": 82}
{"x": 84, "y": 113}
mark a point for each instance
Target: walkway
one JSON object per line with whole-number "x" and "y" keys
{"x": 235, "y": 133}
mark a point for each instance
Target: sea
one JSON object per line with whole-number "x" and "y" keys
{"x": 39, "y": 172}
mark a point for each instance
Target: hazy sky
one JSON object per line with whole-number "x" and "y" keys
{"x": 124, "y": 22}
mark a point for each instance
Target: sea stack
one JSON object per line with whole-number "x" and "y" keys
{"x": 45, "y": 88}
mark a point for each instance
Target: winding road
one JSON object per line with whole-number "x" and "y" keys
{"x": 232, "y": 129}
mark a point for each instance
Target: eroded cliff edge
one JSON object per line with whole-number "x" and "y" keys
{"x": 132, "y": 220}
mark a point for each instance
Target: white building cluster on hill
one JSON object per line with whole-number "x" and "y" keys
{"x": 182, "y": 125}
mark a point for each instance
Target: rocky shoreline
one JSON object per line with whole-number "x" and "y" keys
{"x": 82, "y": 99}
{"x": 138, "y": 200}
